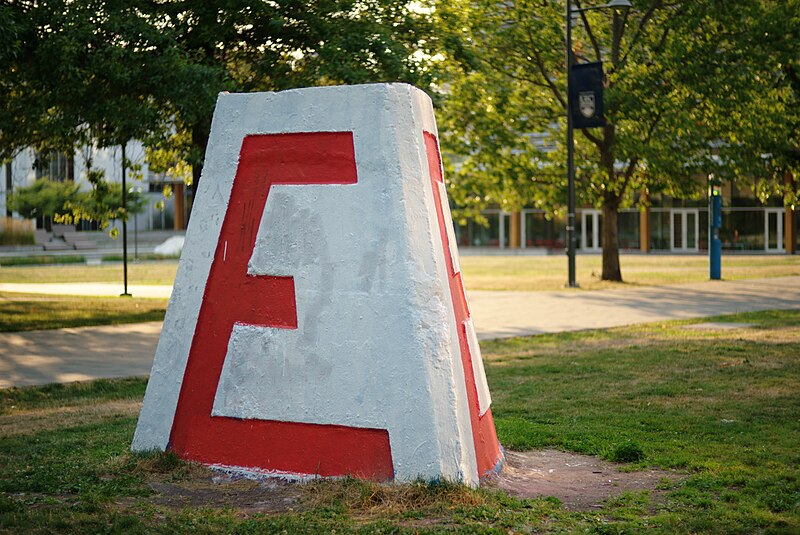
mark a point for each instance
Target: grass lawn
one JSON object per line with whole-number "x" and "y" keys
{"x": 537, "y": 273}
{"x": 719, "y": 406}
{"x": 480, "y": 272}
{"x": 23, "y": 312}
{"x": 157, "y": 272}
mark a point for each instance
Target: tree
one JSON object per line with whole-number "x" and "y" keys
{"x": 45, "y": 198}
{"x": 250, "y": 45}
{"x": 90, "y": 74}
{"x": 691, "y": 85}
{"x": 103, "y": 204}
{"x": 104, "y": 71}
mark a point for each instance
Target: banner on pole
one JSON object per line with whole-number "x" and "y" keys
{"x": 586, "y": 95}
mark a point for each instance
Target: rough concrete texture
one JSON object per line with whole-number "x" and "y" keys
{"x": 375, "y": 345}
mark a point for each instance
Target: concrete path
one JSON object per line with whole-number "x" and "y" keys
{"x": 93, "y": 352}
{"x": 504, "y": 314}
{"x": 64, "y": 355}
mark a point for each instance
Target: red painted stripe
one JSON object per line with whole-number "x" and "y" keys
{"x": 232, "y": 296}
{"x": 487, "y": 448}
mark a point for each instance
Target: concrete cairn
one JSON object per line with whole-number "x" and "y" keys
{"x": 318, "y": 324}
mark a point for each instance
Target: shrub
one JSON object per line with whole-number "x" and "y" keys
{"x": 39, "y": 260}
{"x": 45, "y": 198}
{"x": 627, "y": 452}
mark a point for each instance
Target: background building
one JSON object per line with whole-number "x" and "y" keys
{"x": 667, "y": 225}
{"x": 159, "y": 212}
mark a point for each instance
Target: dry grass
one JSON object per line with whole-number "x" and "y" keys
{"x": 538, "y": 273}
{"x": 16, "y": 232}
{"x": 26, "y": 421}
{"x": 375, "y": 499}
{"x": 525, "y": 273}
{"x": 162, "y": 272}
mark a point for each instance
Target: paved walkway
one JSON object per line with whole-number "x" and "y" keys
{"x": 41, "y": 357}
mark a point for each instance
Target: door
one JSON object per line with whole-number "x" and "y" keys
{"x": 773, "y": 230}
{"x": 590, "y": 231}
{"x": 685, "y": 230}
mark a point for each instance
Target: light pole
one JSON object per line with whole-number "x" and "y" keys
{"x": 124, "y": 226}
{"x": 138, "y": 191}
{"x": 571, "y": 238}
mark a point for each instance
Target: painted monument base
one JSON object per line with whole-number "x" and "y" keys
{"x": 260, "y": 474}
{"x": 318, "y": 323}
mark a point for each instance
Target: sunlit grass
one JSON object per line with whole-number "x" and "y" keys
{"x": 523, "y": 273}
{"x": 535, "y": 273}
{"x": 719, "y": 406}
{"x": 21, "y": 312}
{"x": 159, "y": 272}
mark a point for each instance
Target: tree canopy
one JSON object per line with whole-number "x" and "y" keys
{"x": 693, "y": 88}
{"x": 105, "y": 71}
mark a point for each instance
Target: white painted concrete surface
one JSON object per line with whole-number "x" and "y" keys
{"x": 377, "y": 344}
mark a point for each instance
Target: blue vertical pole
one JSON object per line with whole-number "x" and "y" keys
{"x": 715, "y": 223}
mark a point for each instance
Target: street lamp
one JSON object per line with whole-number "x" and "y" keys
{"x": 571, "y": 238}
{"x": 125, "y": 226}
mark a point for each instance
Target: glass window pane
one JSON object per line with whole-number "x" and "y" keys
{"x": 659, "y": 230}
{"x": 600, "y": 230}
{"x": 677, "y": 230}
{"x": 543, "y": 232}
{"x": 691, "y": 235}
{"x": 742, "y": 230}
{"x": 703, "y": 238}
{"x": 772, "y": 230}
{"x": 588, "y": 231}
{"x": 628, "y": 230}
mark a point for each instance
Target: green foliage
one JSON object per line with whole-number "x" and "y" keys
{"x": 60, "y": 393}
{"x": 103, "y": 203}
{"x": 45, "y": 198}
{"x": 27, "y": 314}
{"x": 693, "y": 88}
{"x": 103, "y": 73}
{"x": 627, "y": 452}
{"x": 168, "y": 156}
{"x": 142, "y": 256}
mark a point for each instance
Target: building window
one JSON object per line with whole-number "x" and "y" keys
{"x": 628, "y": 230}
{"x": 56, "y": 166}
{"x": 742, "y": 230}
{"x": 543, "y": 232}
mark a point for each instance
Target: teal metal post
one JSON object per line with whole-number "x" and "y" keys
{"x": 714, "y": 225}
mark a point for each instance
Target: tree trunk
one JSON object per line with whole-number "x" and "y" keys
{"x": 611, "y": 269}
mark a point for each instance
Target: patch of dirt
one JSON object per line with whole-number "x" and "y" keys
{"x": 206, "y": 488}
{"x": 582, "y": 483}
{"x": 246, "y": 496}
